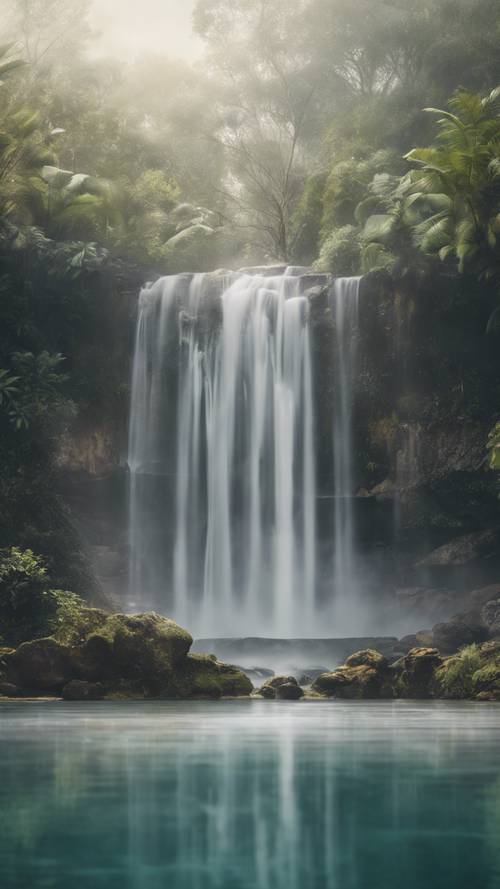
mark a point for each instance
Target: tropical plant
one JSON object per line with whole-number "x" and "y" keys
{"x": 77, "y": 205}
{"x": 30, "y": 388}
{"x": 457, "y": 187}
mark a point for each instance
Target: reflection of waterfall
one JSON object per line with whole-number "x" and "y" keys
{"x": 235, "y": 795}
{"x": 344, "y": 304}
{"x": 223, "y": 520}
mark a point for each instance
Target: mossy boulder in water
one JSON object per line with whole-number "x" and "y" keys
{"x": 413, "y": 674}
{"x": 281, "y": 688}
{"x": 119, "y": 656}
{"x": 364, "y": 676}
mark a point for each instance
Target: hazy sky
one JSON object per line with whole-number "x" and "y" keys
{"x": 131, "y": 27}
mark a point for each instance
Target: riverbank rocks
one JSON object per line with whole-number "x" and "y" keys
{"x": 364, "y": 676}
{"x": 423, "y": 673}
{"x": 119, "y": 656}
{"x": 281, "y": 688}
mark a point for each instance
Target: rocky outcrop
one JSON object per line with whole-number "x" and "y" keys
{"x": 105, "y": 655}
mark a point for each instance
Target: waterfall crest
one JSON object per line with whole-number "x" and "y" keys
{"x": 222, "y": 461}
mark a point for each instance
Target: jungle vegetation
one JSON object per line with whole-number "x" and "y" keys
{"x": 309, "y": 133}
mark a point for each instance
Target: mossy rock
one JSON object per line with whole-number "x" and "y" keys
{"x": 140, "y": 656}
{"x": 414, "y": 674}
{"x": 285, "y": 688}
{"x": 364, "y": 676}
{"x": 289, "y": 691}
{"x": 367, "y": 658}
{"x": 42, "y": 666}
{"x": 361, "y": 682}
{"x": 202, "y": 677}
{"x": 128, "y": 647}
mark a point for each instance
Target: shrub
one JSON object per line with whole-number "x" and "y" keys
{"x": 341, "y": 252}
{"x": 29, "y": 608}
{"x": 455, "y": 676}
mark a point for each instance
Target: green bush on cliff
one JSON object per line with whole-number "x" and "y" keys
{"x": 29, "y": 608}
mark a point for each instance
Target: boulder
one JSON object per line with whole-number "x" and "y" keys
{"x": 204, "y": 677}
{"x": 119, "y": 656}
{"x": 134, "y": 646}
{"x": 79, "y": 690}
{"x": 272, "y": 689}
{"x": 367, "y": 658}
{"x": 364, "y": 676}
{"x": 43, "y": 666}
{"x": 457, "y": 633}
{"x": 289, "y": 691}
{"x": 266, "y": 692}
{"x": 362, "y": 682}
{"x": 276, "y": 681}
{"x": 414, "y": 674}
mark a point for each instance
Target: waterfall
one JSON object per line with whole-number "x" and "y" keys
{"x": 221, "y": 455}
{"x": 344, "y": 305}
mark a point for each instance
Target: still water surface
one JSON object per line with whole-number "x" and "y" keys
{"x": 249, "y": 795}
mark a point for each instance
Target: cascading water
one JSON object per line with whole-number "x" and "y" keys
{"x": 344, "y": 305}
{"x": 223, "y": 524}
{"x": 222, "y": 458}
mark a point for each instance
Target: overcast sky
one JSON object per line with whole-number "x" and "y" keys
{"x": 131, "y": 27}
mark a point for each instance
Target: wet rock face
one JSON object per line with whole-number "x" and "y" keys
{"x": 117, "y": 655}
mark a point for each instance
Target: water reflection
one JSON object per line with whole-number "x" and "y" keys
{"x": 249, "y": 795}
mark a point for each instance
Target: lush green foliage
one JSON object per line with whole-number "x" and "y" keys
{"x": 29, "y": 608}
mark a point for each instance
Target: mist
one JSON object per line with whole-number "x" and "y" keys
{"x": 127, "y": 29}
